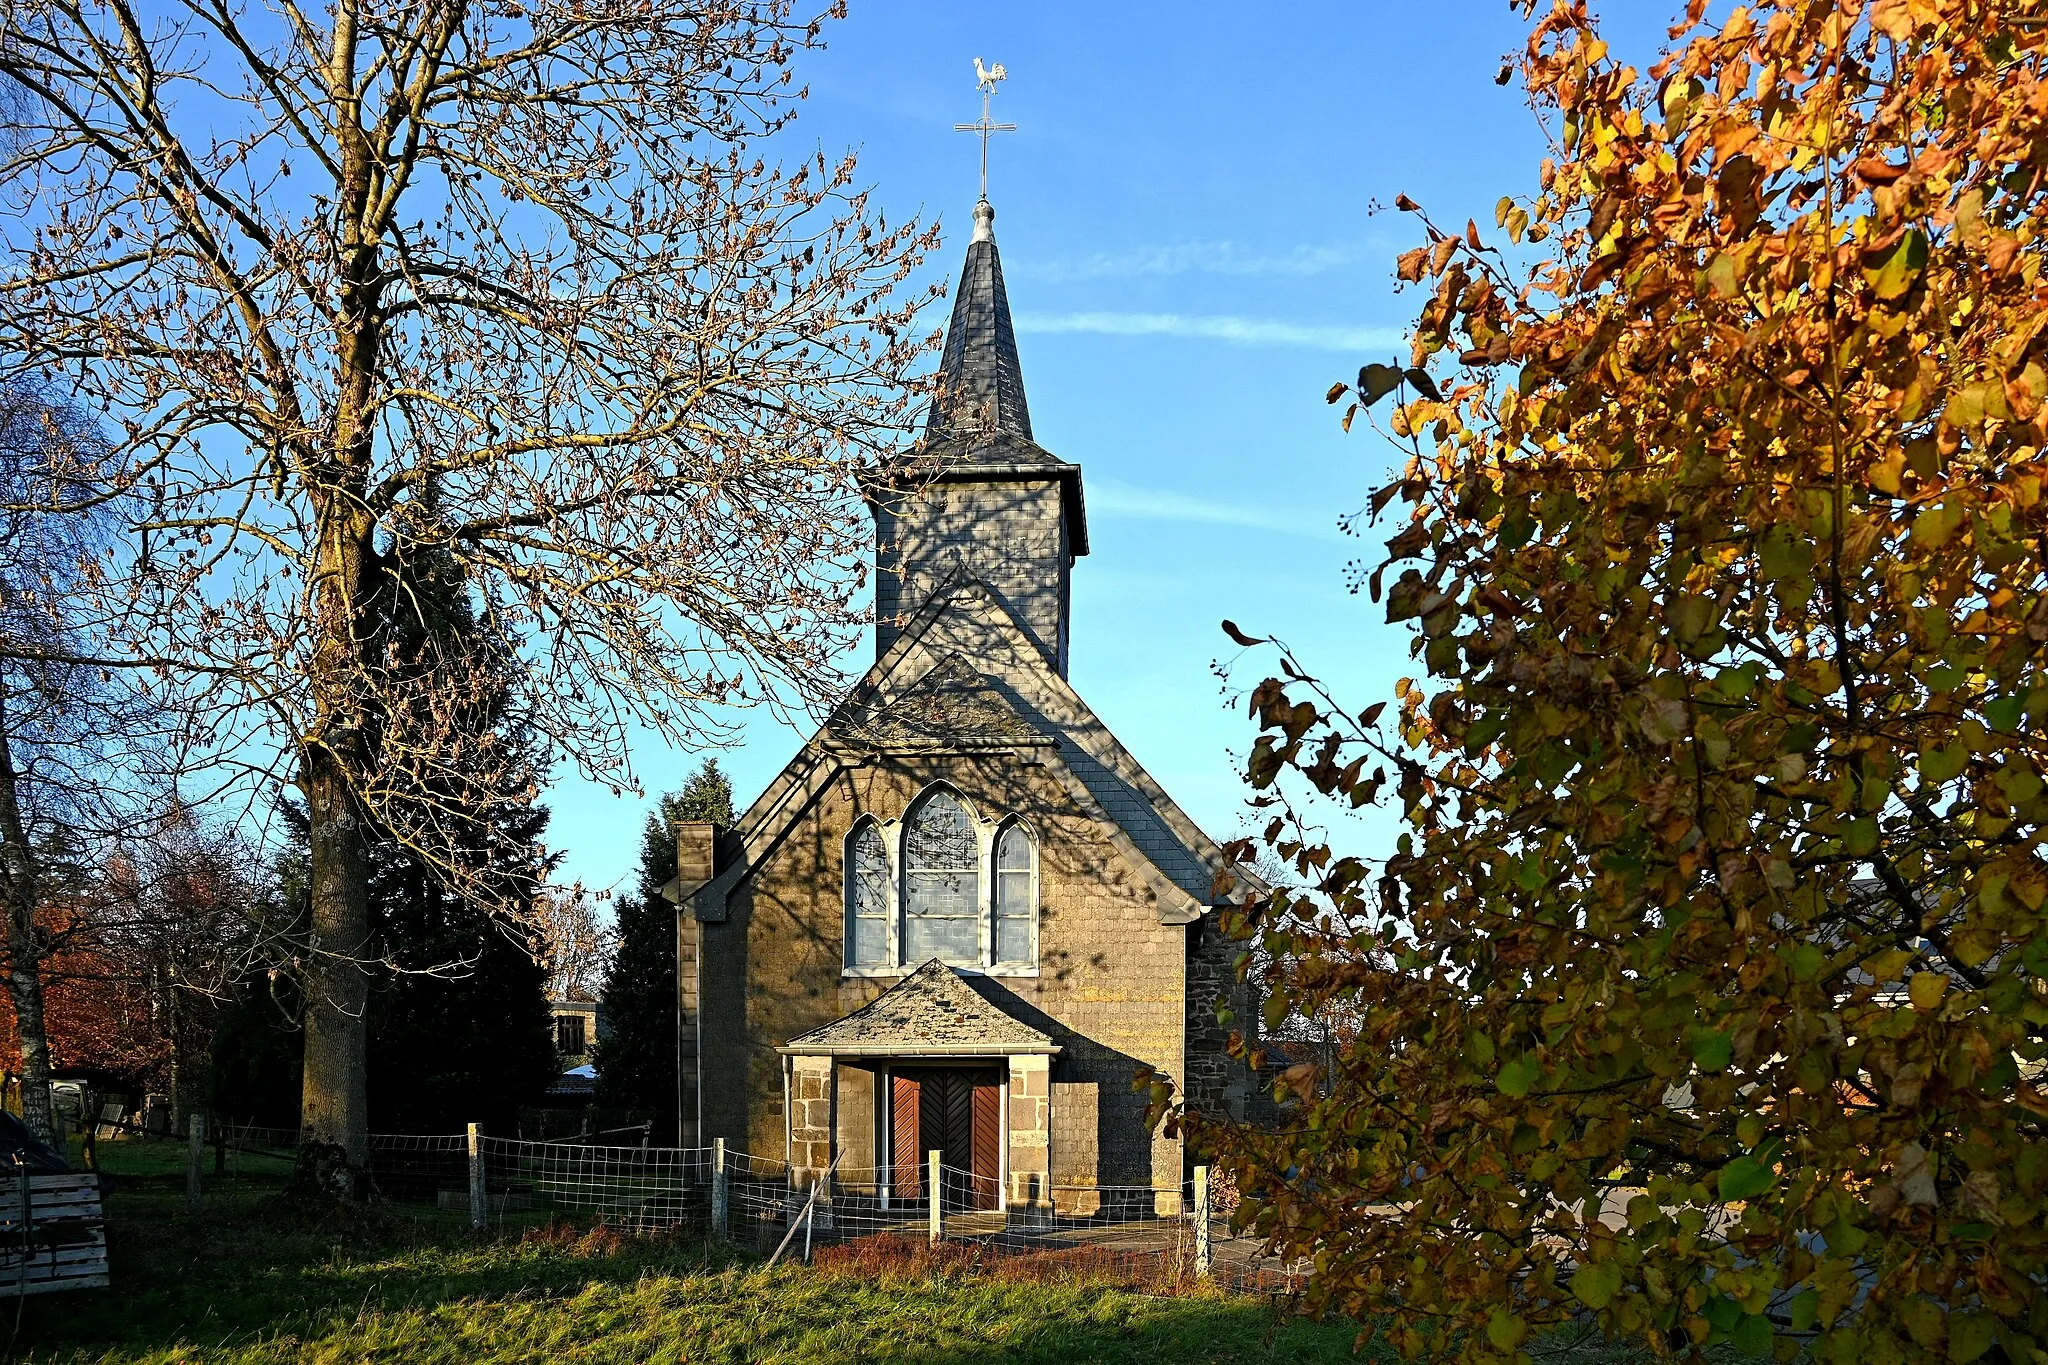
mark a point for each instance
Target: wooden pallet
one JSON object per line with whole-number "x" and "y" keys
{"x": 64, "y": 1242}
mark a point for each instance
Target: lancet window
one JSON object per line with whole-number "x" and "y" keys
{"x": 867, "y": 898}
{"x": 1016, "y": 896}
{"x": 941, "y": 885}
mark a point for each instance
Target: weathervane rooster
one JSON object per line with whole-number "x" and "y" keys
{"x": 986, "y": 77}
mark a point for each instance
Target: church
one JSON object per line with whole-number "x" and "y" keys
{"x": 964, "y": 917}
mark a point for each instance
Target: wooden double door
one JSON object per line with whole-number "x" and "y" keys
{"x": 957, "y": 1112}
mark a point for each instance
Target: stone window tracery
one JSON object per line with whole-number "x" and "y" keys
{"x": 941, "y": 883}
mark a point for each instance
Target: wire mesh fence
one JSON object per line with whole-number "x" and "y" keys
{"x": 421, "y": 1167}
{"x": 1157, "y": 1232}
{"x": 640, "y": 1189}
{"x": 1154, "y": 1227}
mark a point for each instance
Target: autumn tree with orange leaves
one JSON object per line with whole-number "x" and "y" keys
{"x": 1703, "y": 998}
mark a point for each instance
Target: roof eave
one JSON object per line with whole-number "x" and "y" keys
{"x": 802, "y": 1049}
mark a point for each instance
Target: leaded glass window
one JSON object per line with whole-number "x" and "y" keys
{"x": 1016, "y": 905}
{"x": 1016, "y": 901}
{"x": 941, "y": 880}
{"x": 867, "y": 898}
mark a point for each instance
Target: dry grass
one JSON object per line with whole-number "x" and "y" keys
{"x": 899, "y": 1257}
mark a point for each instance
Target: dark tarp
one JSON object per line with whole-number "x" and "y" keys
{"x": 20, "y": 1147}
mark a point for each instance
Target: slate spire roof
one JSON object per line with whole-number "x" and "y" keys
{"x": 981, "y": 385}
{"x": 933, "y": 1012}
{"x": 979, "y": 426}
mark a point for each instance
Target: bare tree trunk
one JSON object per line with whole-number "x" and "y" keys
{"x": 334, "y": 1100}
{"x": 24, "y": 948}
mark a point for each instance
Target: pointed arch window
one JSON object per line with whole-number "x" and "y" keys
{"x": 941, "y": 883}
{"x": 1016, "y": 896}
{"x": 867, "y": 898}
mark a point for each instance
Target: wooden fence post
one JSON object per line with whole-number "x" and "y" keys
{"x": 195, "y": 1130}
{"x": 1202, "y": 1221}
{"x": 937, "y": 1195}
{"x": 479, "y": 1203}
{"x": 720, "y": 1198}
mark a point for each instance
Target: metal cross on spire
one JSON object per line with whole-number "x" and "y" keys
{"x": 986, "y": 77}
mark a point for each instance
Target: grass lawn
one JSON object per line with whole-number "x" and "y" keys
{"x": 244, "y": 1281}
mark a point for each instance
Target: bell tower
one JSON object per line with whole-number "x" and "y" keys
{"x": 982, "y": 499}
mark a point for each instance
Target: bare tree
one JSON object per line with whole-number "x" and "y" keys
{"x": 75, "y": 744}
{"x": 574, "y": 944}
{"x": 505, "y": 278}
{"x": 165, "y": 924}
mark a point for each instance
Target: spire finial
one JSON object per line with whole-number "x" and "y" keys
{"x": 985, "y": 78}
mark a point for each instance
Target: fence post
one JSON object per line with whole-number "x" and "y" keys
{"x": 479, "y": 1204}
{"x": 195, "y": 1131}
{"x": 1202, "y": 1221}
{"x": 937, "y": 1195}
{"x": 720, "y": 1207}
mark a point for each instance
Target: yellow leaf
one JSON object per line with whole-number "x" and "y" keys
{"x": 1933, "y": 527}
{"x": 1926, "y": 989}
{"x": 1722, "y": 276}
{"x": 1892, "y": 273}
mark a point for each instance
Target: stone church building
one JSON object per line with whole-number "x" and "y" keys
{"x": 964, "y": 916}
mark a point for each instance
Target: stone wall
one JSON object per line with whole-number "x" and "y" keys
{"x": 1030, "y": 1134}
{"x": 854, "y": 1127}
{"x": 1011, "y": 534}
{"x": 1215, "y": 1083}
{"x": 696, "y": 860}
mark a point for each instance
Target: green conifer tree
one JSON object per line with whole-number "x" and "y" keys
{"x": 460, "y": 1029}
{"x": 636, "y": 1057}
{"x": 258, "y": 1047}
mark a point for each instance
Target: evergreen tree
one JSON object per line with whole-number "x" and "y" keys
{"x": 636, "y": 1060}
{"x": 258, "y": 1046}
{"x": 459, "y": 1027}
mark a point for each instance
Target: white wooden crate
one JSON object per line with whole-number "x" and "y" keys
{"x": 64, "y": 1244}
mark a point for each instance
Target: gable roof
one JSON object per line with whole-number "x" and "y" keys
{"x": 933, "y": 1012}
{"x": 968, "y": 619}
{"x": 950, "y": 707}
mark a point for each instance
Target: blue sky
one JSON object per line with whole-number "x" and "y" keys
{"x": 1185, "y": 218}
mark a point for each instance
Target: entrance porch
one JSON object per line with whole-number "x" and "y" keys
{"x": 927, "y": 1067}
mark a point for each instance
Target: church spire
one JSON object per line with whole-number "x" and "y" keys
{"x": 981, "y": 384}
{"x": 984, "y": 502}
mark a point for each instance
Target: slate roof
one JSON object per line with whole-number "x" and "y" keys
{"x": 950, "y": 707}
{"x": 931, "y": 1012}
{"x": 981, "y": 385}
{"x": 979, "y": 425}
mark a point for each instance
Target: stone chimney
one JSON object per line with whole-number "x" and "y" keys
{"x": 696, "y": 864}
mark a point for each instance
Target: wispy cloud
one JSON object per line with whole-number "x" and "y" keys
{"x": 1114, "y": 498}
{"x": 1235, "y": 330}
{"x": 1181, "y": 258}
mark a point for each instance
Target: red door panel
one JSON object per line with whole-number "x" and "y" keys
{"x": 987, "y": 1144}
{"x": 904, "y": 1149}
{"x": 957, "y": 1113}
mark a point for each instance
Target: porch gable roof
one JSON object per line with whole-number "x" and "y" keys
{"x": 932, "y": 1012}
